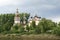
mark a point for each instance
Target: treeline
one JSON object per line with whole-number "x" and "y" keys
{"x": 7, "y": 21}
{"x": 44, "y": 26}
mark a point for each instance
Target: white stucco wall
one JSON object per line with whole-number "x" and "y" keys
{"x": 16, "y": 22}
{"x": 36, "y": 22}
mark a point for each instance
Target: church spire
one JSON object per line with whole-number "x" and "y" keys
{"x": 17, "y": 13}
{"x": 17, "y": 17}
{"x": 17, "y": 10}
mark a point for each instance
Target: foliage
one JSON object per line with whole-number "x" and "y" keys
{"x": 27, "y": 28}
{"x": 44, "y": 26}
{"x": 22, "y": 29}
{"x": 56, "y": 31}
{"x": 7, "y": 21}
{"x": 33, "y": 25}
{"x": 38, "y": 30}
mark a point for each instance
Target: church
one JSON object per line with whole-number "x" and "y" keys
{"x": 17, "y": 17}
{"x": 36, "y": 19}
{"x": 18, "y": 22}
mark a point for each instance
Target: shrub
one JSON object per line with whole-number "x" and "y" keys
{"x": 56, "y": 31}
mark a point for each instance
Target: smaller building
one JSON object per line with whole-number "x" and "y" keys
{"x": 36, "y": 19}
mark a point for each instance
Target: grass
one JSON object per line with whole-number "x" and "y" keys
{"x": 29, "y": 37}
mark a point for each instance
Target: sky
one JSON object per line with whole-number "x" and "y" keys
{"x": 49, "y": 9}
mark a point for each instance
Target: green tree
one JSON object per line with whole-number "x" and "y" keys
{"x": 37, "y": 30}
{"x": 46, "y": 25}
{"x": 6, "y": 27}
{"x": 28, "y": 28}
{"x": 7, "y": 21}
{"x": 56, "y": 31}
{"x": 33, "y": 24}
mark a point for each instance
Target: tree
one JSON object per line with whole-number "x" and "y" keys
{"x": 22, "y": 17}
{"x": 21, "y": 29}
{"x": 46, "y": 25}
{"x": 6, "y": 27}
{"x": 27, "y": 28}
{"x": 59, "y": 24}
{"x": 56, "y": 31}
{"x": 37, "y": 30}
{"x": 7, "y": 21}
{"x": 33, "y": 25}
{"x": 1, "y": 29}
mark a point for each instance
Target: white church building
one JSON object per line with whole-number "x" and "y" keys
{"x": 36, "y": 19}
{"x": 17, "y": 19}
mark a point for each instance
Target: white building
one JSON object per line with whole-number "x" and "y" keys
{"x": 36, "y": 19}
{"x": 17, "y": 18}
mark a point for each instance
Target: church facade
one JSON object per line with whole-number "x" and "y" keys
{"x": 36, "y": 19}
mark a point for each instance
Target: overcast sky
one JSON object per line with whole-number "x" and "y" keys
{"x": 45, "y": 8}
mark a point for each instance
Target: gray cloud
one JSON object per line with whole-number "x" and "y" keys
{"x": 44, "y": 8}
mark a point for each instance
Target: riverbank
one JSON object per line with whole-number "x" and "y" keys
{"x": 29, "y": 37}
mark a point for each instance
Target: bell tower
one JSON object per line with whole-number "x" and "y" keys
{"x": 17, "y": 17}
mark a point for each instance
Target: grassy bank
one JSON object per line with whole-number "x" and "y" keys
{"x": 29, "y": 37}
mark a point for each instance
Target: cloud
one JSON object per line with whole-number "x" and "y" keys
{"x": 55, "y": 19}
{"x": 48, "y": 7}
{"x": 5, "y": 2}
{"x": 44, "y": 8}
{"x": 11, "y": 2}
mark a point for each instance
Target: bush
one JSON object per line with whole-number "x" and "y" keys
{"x": 37, "y": 30}
{"x": 56, "y": 31}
